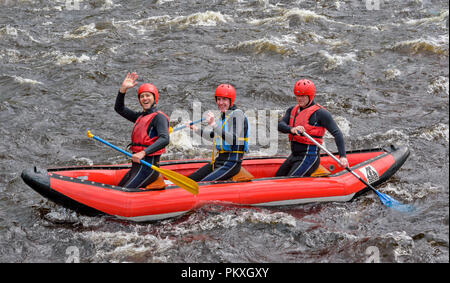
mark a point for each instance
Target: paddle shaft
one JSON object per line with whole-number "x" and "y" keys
{"x": 190, "y": 124}
{"x": 121, "y": 150}
{"x": 337, "y": 160}
{"x": 176, "y": 178}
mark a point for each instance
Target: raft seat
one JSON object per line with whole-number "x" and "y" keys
{"x": 321, "y": 171}
{"x": 158, "y": 184}
{"x": 242, "y": 176}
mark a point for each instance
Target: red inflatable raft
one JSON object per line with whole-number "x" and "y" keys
{"x": 91, "y": 190}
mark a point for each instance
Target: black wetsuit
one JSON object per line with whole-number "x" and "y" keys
{"x": 139, "y": 176}
{"x": 227, "y": 164}
{"x": 305, "y": 158}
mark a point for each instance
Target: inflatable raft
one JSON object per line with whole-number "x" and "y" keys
{"x": 92, "y": 190}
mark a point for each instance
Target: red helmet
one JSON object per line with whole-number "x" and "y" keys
{"x": 305, "y": 87}
{"x": 149, "y": 88}
{"x": 226, "y": 90}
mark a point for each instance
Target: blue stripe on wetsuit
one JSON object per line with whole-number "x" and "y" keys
{"x": 218, "y": 173}
{"x": 308, "y": 161}
{"x": 143, "y": 175}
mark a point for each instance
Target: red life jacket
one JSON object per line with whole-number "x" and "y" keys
{"x": 139, "y": 137}
{"x": 302, "y": 119}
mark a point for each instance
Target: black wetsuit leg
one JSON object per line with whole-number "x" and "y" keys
{"x": 226, "y": 166}
{"x": 139, "y": 176}
{"x": 301, "y": 165}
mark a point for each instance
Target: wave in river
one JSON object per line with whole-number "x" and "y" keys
{"x": 263, "y": 45}
{"x": 207, "y": 18}
{"x": 437, "y": 46}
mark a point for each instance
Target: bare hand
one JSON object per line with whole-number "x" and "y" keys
{"x": 192, "y": 127}
{"x": 138, "y": 156}
{"x": 297, "y": 130}
{"x": 129, "y": 82}
{"x": 344, "y": 162}
{"x": 210, "y": 119}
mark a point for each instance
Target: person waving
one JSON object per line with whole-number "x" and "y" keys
{"x": 150, "y": 133}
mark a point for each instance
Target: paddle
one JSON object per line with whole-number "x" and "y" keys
{"x": 385, "y": 199}
{"x": 176, "y": 178}
{"x": 184, "y": 126}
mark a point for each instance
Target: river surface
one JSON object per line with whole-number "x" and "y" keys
{"x": 381, "y": 68}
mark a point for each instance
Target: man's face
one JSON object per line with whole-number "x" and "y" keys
{"x": 146, "y": 99}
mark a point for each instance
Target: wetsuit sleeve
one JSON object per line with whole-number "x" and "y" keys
{"x": 283, "y": 124}
{"x": 236, "y": 128}
{"x": 161, "y": 125}
{"x": 327, "y": 121}
{"x": 123, "y": 111}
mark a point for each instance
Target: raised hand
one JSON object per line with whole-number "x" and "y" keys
{"x": 129, "y": 82}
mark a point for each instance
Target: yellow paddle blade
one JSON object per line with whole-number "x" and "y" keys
{"x": 178, "y": 179}
{"x": 170, "y": 130}
{"x": 89, "y": 134}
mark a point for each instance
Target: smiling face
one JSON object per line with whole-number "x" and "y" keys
{"x": 302, "y": 100}
{"x": 146, "y": 99}
{"x": 223, "y": 103}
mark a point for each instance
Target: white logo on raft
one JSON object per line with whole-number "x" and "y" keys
{"x": 370, "y": 173}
